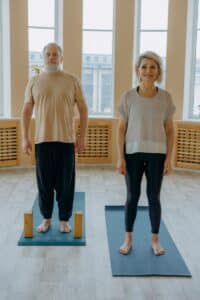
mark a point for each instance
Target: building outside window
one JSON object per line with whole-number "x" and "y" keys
{"x": 42, "y": 29}
{"x": 151, "y": 28}
{"x": 97, "y": 54}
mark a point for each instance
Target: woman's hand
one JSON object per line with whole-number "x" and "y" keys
{"x": 121, "y": 166}
{"x": 167, "y": 166}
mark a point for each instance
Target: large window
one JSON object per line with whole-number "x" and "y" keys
{"x": 151, "y": 27}
{"x": 1, "y": 63}
{"x": 195, "y": 112}
{"x": 42, "y": 29}
{"x": 97, "y": 67}
{"x": 192, "y": 70}
{"x": 4, "y": 59}
{"x": 194, "y": 105}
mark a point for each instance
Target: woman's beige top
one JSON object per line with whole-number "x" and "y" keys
{"x": 146, "y": 119}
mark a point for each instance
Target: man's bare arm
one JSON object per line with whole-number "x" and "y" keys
{"x": 83, "y": 112}
{"x": 25, "y": 127}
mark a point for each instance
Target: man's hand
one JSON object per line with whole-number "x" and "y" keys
{"x": 26, "y": 146}
{"x": 121, "y": 166}
{"x": 80, "y": 144}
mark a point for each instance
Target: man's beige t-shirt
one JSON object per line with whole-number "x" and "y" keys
{"x": 54, "y": 95}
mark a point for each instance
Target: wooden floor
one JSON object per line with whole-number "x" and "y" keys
{"x": 84, "y": 273}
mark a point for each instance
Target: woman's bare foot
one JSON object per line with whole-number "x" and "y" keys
{"x": 156, "y": 247}
{"x": 44, "y": 226}
{"x": 65, "y": 227}
{"x": 127, "y": 244}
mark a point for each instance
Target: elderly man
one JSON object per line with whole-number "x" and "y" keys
{"x": 54, "y": 94}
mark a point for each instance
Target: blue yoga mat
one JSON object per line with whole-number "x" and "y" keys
{"x": 141, "y": 261}
{"x": 54, "y": 237}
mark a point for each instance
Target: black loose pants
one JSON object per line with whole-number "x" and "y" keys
{"x": 55, "y": 171}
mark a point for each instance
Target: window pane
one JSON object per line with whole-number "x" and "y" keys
{"x": 87, "y": 80}
{"x": 38, "y": 38}
{"x": 97, "y": 42}
{"x": 97, "y": 14}
{"x": 199, "y": 16}
{"x": 154, "y": 14}
{"x": 41, "y": 13}
{"x": 97, "y": 83}
{"x": 154, "y": 41}
{"x": 1, "y": 67}
{"x": 97, "y": 70}
{"x": 196, "y": 106}
{"x": 35, "y": 61}
{"x": 106, "y": 88}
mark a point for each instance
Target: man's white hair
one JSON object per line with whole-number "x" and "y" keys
{"x": 52, "y": 45}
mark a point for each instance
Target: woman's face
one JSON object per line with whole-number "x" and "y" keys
{"x": 148, "y": 70}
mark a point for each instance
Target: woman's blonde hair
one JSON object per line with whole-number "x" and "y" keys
{"x": 155, "y": 57}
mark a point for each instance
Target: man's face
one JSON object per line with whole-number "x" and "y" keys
{"x": 52, "y": 56}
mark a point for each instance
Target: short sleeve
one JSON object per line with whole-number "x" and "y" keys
{"x": 79, "y": 95}
{"x": 28, "y": 97}
{"x": 122, "y": 107}
{"x": 170, "y": 108}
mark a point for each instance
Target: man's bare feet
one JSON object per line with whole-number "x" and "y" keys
{"x": 127, "y": 245}
{"x": 44, "y": 226}
{"x": 65, "y": 227}
{"x": 156, "y": 247}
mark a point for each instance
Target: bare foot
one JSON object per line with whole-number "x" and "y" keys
{"x": 125, "y": 248}
{"x": 127, "y": 245}
{"x": 44, "y": 226}
{"x": 65, "y": 227}
{"x": 156, "y": 247}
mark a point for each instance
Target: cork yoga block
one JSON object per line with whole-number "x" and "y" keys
{"x": 78, "y": 224}
{"x": 28, "y": 224}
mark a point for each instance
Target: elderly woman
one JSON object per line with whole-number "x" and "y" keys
{"x": 145, "y": 139}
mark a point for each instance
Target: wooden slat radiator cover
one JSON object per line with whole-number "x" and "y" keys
{"x": 187, "y": 145}
{"x": 99, "y": 143}
{"x": 9, "y": 141}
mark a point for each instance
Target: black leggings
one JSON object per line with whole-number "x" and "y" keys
{"x": 55, "y": 170}
{"x": 152, "y": 164}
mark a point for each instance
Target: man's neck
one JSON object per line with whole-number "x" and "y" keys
{"x": 50, "y": 68}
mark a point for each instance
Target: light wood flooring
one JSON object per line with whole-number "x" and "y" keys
{"x": 84, "y": 273}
